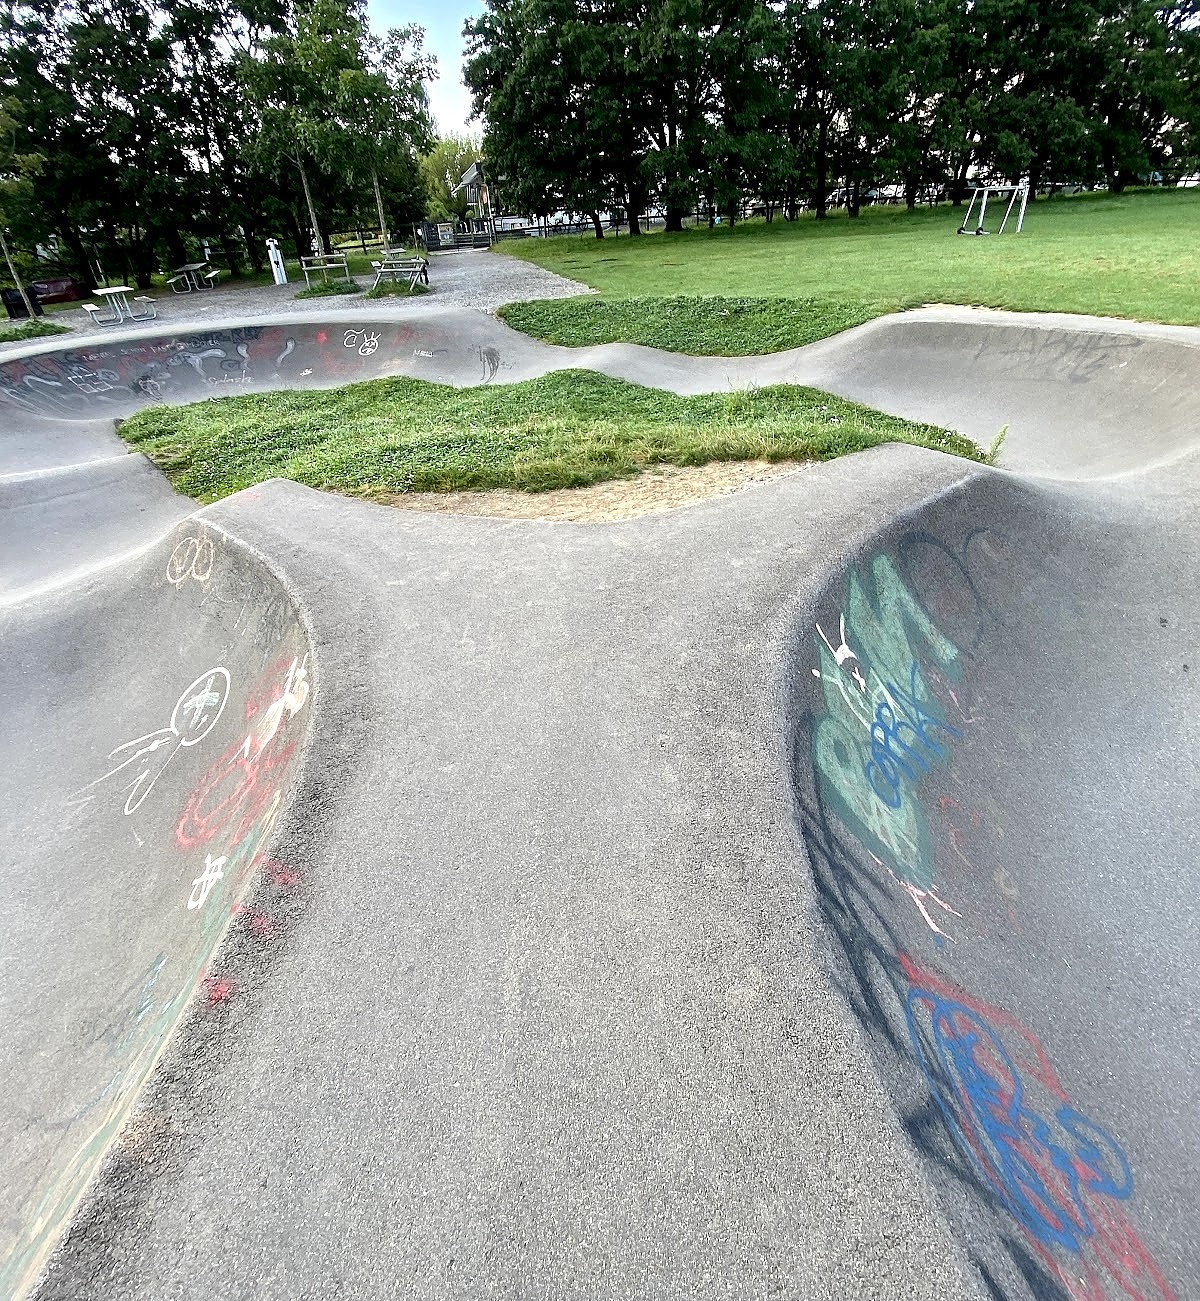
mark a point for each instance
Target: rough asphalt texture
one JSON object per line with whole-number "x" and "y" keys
{"x": 584, "y": 963}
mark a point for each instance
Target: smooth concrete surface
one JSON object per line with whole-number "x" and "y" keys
{"x": 790, "y": 895}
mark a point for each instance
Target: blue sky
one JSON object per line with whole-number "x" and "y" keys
{"x": 443, "y": 36}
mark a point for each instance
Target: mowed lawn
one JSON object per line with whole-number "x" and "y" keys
{"x": 1134, "y": 256}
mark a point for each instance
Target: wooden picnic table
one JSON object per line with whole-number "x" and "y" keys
{"x": 402, "y": 267}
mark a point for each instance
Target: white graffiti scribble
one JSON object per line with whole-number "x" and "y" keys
{"x": 192, "y": 558}
{"x": 203, "y": 884}
{"x": 92, "y": 382}
{"x": 196, "y": 712}
{"x": 366, "y": 343}
{"x": 290, "y": 702}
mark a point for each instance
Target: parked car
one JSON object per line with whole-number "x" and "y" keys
{"x": 58, "y": 289}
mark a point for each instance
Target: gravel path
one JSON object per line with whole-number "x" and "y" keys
{"x": 472, "y": 279}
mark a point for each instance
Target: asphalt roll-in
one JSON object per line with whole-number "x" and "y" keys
{"x": 606, "y": 950}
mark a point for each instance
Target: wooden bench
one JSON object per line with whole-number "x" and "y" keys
{"x": 411, "y": 269}
{"x": 324, "y": 264}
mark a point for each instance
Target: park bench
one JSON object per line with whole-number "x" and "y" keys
{"x": 324, "y": 264}
{"x": 96, "y": 315}
{"x": 213, "y": 277}
{"x": 149, "y": 311}
{"x": 177, "y": 281}
{"x": 411, "y": 269}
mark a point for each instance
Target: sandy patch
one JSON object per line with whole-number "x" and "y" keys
{"x": 663, "y": 488}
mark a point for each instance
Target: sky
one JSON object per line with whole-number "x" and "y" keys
{"x": 448, "y": 97}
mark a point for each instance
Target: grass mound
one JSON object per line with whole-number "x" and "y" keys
{"x": 701, "y": 326}
{"x": 388, "y": 436}
{"x": 330, "y": 287}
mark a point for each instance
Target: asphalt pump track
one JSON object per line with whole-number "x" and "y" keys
{"x": 790, "y": 895}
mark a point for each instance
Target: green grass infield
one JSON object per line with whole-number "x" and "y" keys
{"x": 572, "y": 428}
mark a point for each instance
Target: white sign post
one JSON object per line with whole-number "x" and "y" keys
{"x": 275, "y": 256}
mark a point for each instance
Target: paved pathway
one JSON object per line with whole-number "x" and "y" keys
{"x": 471, "y": 279}
{"x": 789, "y": 895}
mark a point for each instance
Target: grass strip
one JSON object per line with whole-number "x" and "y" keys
{"x": 330, "y": 287}
{"x": 701, "y": 326}
{"x": 34, "y": 329}
{"x": 569, "y": 429}
{"x": 397, "y": 289}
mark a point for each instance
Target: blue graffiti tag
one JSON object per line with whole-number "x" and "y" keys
{"x": 981, "y": 1095}
{"x": 893, "y": 758}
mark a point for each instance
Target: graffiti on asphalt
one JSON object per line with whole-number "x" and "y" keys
{"x": 1060, "y": 1175}
{"x": 124, "y": 375}
{"x": 146, "y": 758}
{"x": 192, "y": 557}
{"x": 882, "y": 728}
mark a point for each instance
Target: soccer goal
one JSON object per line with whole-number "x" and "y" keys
{"x": 1017, "y": 193}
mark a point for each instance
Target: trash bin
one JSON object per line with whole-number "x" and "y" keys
{"x": 14, "y": 304}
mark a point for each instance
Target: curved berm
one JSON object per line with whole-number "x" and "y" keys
{"x": 989, "y": 732}
{"x": 791, "y": 895}
{"x": 155, "y": 719}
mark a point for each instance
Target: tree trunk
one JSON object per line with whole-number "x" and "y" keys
{"x": 20, "y": 284}
{"x": 384, "y": 233}
{"x": 910, "y": 192}
{"x": 853, "y": 201}
{"x": 318, "y": 240}
{"x": 597, "y": 224}
{"x": 80, "y": 264}
{"x": 636, "y": 203}
{"x": 675, "y": 217}
{"x": 229, "y": 247}
{"x": 176, "y": 249}
{"x": 822, "y": 162}
{"x": 254, "y": 250}
{"x": 298, "y": 233}
{"x": 959, "y": 189}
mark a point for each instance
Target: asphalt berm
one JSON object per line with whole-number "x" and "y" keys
{"x": 792, "y": 895}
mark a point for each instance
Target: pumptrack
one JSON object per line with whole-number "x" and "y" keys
{"x": 790, "y": 895}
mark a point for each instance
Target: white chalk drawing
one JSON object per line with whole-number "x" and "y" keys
{"x": 92, "y": 382}
{"x": 192, "y": 558}
{"x": 288, "y": 348}
{"x": 290, "y": 702}
{"x": 203, "y": 884}
{"x": 364, "y": 342}
{"x": 196, "y": 712}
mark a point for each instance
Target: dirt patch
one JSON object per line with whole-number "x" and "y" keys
{"x": 663, "y": 488}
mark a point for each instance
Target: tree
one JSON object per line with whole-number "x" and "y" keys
{"x": 330, "y": 97}
{"x": 441, "y": 169}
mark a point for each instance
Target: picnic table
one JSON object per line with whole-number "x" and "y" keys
{"x": 324, "y": 263}
{"x": 116, "y": 297}
{"x": 188, "y": 276}
{"x": 398, "y": 265}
